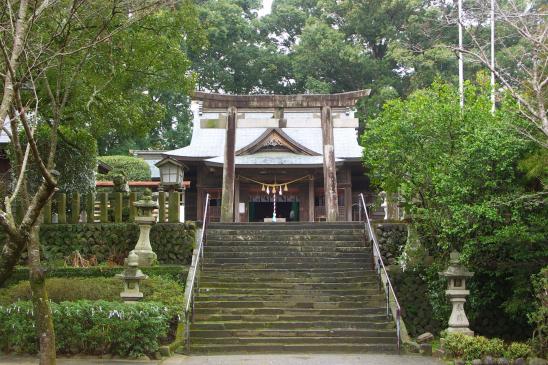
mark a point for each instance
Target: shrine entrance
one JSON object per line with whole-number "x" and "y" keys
{"x": 285, "y": 211}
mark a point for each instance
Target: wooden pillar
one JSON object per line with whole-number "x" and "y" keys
{"x": 237, "y": 201}
{"x": 118, "y": 207}
{"x": 227, "y": 202}
{"x": 311, "y": 199}
{"x": 329, "y": 168}
{"x": 200, "y": 204}
{"x": 348, "y": 195}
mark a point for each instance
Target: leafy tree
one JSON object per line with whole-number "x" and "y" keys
{"x": 459, "y": 173}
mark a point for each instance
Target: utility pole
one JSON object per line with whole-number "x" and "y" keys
{"x": 492, "y": 56}
{"x": 461, "y": 63}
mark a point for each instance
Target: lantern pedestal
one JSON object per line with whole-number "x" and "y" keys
{"x": 456, "y": 275}
{"x": 145, "y": 219}
{"x": 143, "y": 249}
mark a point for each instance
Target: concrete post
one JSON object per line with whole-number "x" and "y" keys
{"x": 75, "y": 208}
{"x": 161, "y": 206}
{"x": 229, "y": 170}
{"x": 90, "y": 207}
{"x": 62, "y": 207}
{"x": 329, "y": 168}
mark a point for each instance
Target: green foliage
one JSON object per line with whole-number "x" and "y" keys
{"x": 458, "y": 172}
{"x": 134, "y": 168}
{"x": 175, "y": 273}
{"x": 75, "y": 158}
{"x": 88, "y": 327}
{"x": 539, "y": 317}
{"x": 516, "y": 350}
{"x": 155, "y": 289}
{"x": 469, "y": 348}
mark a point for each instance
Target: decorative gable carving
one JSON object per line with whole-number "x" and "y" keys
{"x": 275, "y": 140}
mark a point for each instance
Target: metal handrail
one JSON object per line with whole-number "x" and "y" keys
{"x": 196, "y": 262}
{"x": 379, "y": 265}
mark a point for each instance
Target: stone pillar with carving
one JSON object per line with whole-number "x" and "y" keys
{"x": 456, "y": 275}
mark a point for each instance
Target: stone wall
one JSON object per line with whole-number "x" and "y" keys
{"x": 392, "y": 238}
{"x": 172, "y": 242}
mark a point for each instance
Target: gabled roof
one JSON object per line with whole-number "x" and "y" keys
{"x": 275, "y": 137}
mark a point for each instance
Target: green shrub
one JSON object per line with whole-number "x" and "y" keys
{"x": 88, "y": 327}
{"x": 456, "y": 344}
{"x": 155, "y": 289}
{"x": 516, "y": 350}
{"x": 469, "y": 348}
{"x": 135, "y": 169}
{"x": 177, "y": 273}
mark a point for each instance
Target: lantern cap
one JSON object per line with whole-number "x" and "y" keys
{"x": 456, "y": 269}
{"x": 172, "y": 161}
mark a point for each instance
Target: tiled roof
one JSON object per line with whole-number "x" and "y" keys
{"x": 272, "y": 158}
{"x": 211, "y": 142}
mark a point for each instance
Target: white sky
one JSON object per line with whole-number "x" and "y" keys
{"x": 267, "y": 5}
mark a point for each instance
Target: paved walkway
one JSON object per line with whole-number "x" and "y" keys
{"x": 331, "y": 359}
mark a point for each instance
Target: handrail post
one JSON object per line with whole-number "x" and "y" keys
{"x": 387, "y": 300}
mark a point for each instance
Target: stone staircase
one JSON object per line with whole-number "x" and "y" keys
{"x": 295, "y": 287}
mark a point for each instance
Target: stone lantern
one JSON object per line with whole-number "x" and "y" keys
{"x": 456, "y": 275}
{"x": 132, "y": 276}
{"x": 171, "y": 172}
{"x": 145, "y": 219}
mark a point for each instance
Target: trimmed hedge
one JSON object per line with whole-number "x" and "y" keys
{"x": 174, "y": 272}
{"x": 134, "y": 168}
{"x": 87, "y": 327}
{"x": 155, "y": 289}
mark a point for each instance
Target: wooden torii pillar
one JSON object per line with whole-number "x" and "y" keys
{"x": 325, "y": 102}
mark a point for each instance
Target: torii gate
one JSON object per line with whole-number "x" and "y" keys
{"x": 278, "y": 102}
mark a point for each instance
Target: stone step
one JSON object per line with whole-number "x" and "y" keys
{"x": 360, "y": 261}
{"x": 287, "y": 226}
{"x": 311, "y": 245}
{"x": 293, "y": 325}
{"x": 209, "y": 291}
{"x": 361, "y": 253}
{"x": 293, "y": 311}
{"x": 232, "y": 303}
{"x": 353, "y": 265}
{"x": 275, "y": 298}
{"x": 283, "y": 248}
{"x": 288, "y": 340}
{"x": 296, "y": 272}
{"x": 301, "y": 333}
{"x": 360, "y": 283}
{"x": 292, "y": 348}
{"x": 228, "y": 318}
{"x": 283, "y": 238}
{"x": 286, "y": 281}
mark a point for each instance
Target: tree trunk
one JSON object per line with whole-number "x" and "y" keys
{"x": 11, "y": 253}
{"x": 42, "y": 310}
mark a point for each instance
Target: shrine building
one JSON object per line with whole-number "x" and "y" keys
{"x": 296, "y": 156}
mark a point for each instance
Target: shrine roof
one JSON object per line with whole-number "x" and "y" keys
{"x": 273, "y": 158}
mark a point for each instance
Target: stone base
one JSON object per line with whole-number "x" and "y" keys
{"x": 131, "y": 296}
{"x": 464, "y": 331}
{"x": 146, "y": 258}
